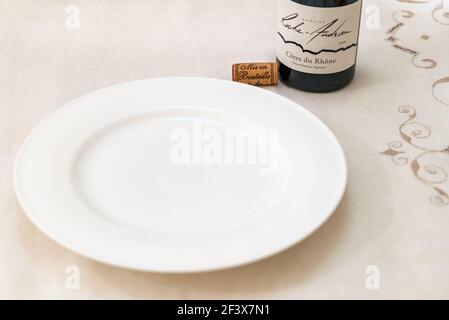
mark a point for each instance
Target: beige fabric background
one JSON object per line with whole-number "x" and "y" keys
{"x": 394, "y": 215}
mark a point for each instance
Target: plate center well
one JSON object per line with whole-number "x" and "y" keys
{"x": 180, "y": 170}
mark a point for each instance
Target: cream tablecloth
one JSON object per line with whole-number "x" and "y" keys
{"x": 393, "y": 122}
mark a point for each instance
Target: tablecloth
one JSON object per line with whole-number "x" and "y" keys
{"x": 389, "y": 238}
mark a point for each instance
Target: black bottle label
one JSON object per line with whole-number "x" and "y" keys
{"x": 318, "y": 40}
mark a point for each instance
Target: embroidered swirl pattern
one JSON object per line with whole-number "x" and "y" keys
{"x": 432, "y": 175}
{"x": 400, "y": 17}
{"x": 426, "y": 163}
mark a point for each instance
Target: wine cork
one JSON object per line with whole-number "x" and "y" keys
{"x": 256, "y": 74}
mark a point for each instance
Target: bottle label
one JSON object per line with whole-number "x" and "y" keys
{"x": 318, "y": 40}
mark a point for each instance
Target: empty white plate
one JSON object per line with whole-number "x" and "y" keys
{"x": 180, "y": 174}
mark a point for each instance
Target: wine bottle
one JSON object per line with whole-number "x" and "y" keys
{"x": 317, "y": 43}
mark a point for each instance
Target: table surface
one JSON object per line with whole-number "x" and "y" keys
{"x": 392, "y": 122}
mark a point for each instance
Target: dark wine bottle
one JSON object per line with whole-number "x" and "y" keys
{"x": 317, "y": 43}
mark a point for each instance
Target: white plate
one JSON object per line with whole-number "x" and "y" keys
{"x": 110, "y": 176}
